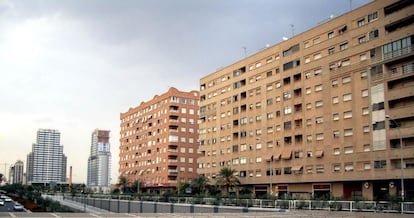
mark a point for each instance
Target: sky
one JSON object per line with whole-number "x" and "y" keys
{"x": 76, "y": 65}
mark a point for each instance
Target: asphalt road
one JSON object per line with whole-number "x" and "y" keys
{"x": 8, "y": 207}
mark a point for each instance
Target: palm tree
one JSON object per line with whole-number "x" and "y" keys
{"x": 228, "y": 178}
{"x": 123, "y": 182}
{"x": 199, "y": 184}
{"x": 137, "y": 185}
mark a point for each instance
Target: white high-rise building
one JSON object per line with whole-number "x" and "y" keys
{"x": 99, "y": 162}
{"x": 46, "y": 163}
{"x": 16, "y": 173}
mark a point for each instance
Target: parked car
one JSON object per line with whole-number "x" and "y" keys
{"x": 18, "y": 207}
{"x": 1, "y": 203}
{"x": 8, "y": 200}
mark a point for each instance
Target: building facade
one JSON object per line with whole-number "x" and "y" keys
{"x": 99, "y": 162}
{"x": 47, "y": 162}
{"x": 16, "y": 173}
{"x": 158, "y": 142}
{"x": 322, "y": 113}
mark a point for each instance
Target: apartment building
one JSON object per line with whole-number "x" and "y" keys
{"x": 99, "y": 162}
{"x": 16, "y": 173}
{"x": 158, "y": 142}
{"x": 46, "y": 162}
{"x": 322, "y": 113}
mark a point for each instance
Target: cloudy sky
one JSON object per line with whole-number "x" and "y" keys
{"x": 76, "y": 65}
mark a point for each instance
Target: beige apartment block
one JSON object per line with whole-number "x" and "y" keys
{"x": 158, "y": 142}
{"x": 321, "y": 113}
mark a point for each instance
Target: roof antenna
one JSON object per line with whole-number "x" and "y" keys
{"x": 292, "y": 27}
{"x": 245, "y": 51}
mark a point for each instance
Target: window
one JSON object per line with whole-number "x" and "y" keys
{"x": 287, "y": 110}
{"x": 343, "y": 46}
{"x": 364, "y": 93}
{"x": 287, "y": 125}
{"x": 336, "y": 133}
{"x": 335, "y": 116}
{"x": 349, "y": 167}
{"x": 364, "y": 75}
{"x": 316, "y": 40}
{"x": 380, "y": 164}
{"x": 347, "y": 114}
{"x": 307, "y": 60}
{"x": 319, "y": 136}
{"x": 348, "y": 132}
{"x": 334, "y": 83}
{"x": 331, "y": 34}
{"x": 336, "y": 151}
{"x": 363, "y": 57}
{"x": 335, "y": 100}
{"x": 319, "y": 120}
{"x": 365, "y": 129}
{"x": 317, "y": 72}
{"x": 308, "y": 106}
{"x": 319, "y": 103}
{"x": 361, "y": 22}
{"x": 318, "y": 88}
{"x": 365, "y": 111}
{"x": 373, "y": 16}
{"x": 347, "y": 97}
{"x": 362, "y": 39}
{"x": 306, "y": 44}
{"x": 331, "y": 51}
{"x": 287, "y": 95}
{"x": 348, "y": 150}
{"x": 317, "y": 56}
{"x": 373, "y": 34}
{"x": 346, "y": 80}
{"x": 337, "y": 167}
{"x": 367, "y": 147}
{"x": 308, "y": 91}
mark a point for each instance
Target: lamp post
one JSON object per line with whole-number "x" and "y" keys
{"x": 270, "y": 169}
{"x": 401, "y": 158}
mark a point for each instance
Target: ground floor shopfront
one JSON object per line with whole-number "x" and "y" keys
{"x": 352, "y": 190}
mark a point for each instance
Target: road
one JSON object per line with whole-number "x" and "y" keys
{"x": 8, "y": 207}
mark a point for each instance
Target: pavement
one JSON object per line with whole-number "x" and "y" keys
{"x": 100, "y": 213}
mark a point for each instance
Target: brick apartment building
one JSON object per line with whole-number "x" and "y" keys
{"x": 322, "y": 113}
{"x": 158, "y": 142}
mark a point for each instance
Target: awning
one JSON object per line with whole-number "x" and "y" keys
{"x": 277, "y": 156}
{"x": 319, "y": 153}
{"x": 269, "y": 158}
{"x": 297, "y": 168}
{"x": 287, "y": 155}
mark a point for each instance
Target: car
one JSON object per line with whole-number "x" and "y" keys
{"x": 8, "y": 200}
{"x": 18, "y": 207}
{"x": 3, "y": 196}
{"x": 1, "y": 203}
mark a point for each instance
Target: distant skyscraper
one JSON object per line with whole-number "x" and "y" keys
{"x": 16, "y": 173}
{"x": 46, "y": 163}
{"x": 99, "y": 162}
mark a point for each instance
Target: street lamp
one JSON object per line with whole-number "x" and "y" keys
{"x": 401, "y": 157}
{"x": 270, "y": 169}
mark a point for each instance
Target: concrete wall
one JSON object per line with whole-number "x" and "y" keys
{"x": 126, "y": 206}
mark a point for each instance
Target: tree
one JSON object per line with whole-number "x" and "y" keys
{"x": 228, "y": 178}
{"x": 123, "y": 182}
{"x": 199, "y": 184}
{"x": 136, "y": 186}
{"x": 2, "y": 178}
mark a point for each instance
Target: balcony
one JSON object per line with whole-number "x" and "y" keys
{"x": 173, "y": 173}
{"x": 394, "y": 55}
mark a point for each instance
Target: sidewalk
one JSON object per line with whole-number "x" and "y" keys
{"x": 76, "y": 205}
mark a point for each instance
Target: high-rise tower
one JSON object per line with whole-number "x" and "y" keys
{"x": 46, "y": 163}
{"x": 99, "y": 162}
